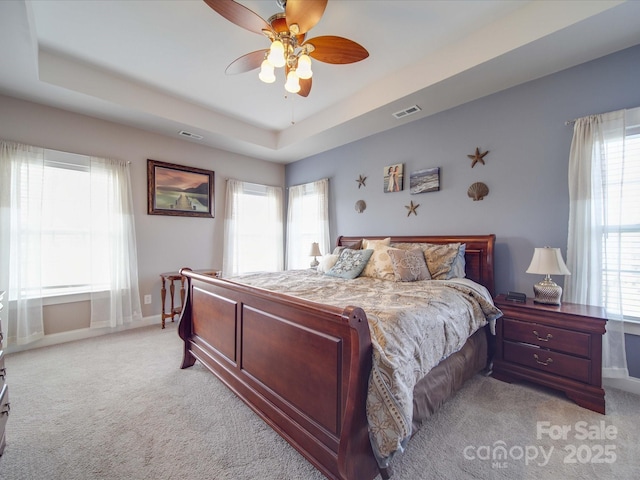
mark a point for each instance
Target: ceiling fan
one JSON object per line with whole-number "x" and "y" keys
{"x": 289, "y": 48}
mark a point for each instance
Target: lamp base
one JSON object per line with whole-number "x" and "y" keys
{"x": 315, "y": 263}
{"x": 547, "y": 292}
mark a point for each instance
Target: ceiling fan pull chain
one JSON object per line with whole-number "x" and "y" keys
{"x": 293, "y": 110}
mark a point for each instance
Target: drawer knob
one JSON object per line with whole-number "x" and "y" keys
{"x": 5, "y": 410}
{"x": 546, "y": 362}
{"x": 549, "y": 336}
{"x": 3, "y": 373}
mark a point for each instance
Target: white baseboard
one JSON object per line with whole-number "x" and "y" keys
{"x": 629, "y": 384}
{"x": 81, "y": 334}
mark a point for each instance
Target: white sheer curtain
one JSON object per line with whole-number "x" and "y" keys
{"x": 20, "y": 220}
{"x": 307, "y": 222}
{"x": 110, "y": 244}
{"x": 253, "y": 228}
{"x": 595, "y": 229}
{"x": 113, "y": 245}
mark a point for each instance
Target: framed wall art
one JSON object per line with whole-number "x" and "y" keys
{"x": 179, "y": 190}
{"x": 427, "y": 180}
{"x": 393, "y": 178}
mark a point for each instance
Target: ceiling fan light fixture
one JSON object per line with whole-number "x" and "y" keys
{"x": 290, "y": 48}
{"x": 304, "y": 67}
{"x": 266, "y": 72}
{"x": 276, "y": 54}
{"x": 293, "y": 82}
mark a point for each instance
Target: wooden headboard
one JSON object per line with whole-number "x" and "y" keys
{"x": 478, "y": 253}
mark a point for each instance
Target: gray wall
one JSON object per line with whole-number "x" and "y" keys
{"x": 164, "y": 243}
{"x": 526, "y": 168}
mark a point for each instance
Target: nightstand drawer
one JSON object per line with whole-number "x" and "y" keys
{"x": 567, "y": 341}
{"x": 545, "y": 360}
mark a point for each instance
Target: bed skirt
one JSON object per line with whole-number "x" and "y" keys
{"x": 448, "y": 376}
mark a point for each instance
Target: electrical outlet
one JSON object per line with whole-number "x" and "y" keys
{"x": 147, "y": 299}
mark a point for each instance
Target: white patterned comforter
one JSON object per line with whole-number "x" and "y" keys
{"x": 413, "y": 325}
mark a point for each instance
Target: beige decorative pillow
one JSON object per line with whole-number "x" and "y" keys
{"x": 440, "y": 258}
{"x": 379, "y": 265}
{"x": 409, "y": 265}
{"x": 366, "y": 243}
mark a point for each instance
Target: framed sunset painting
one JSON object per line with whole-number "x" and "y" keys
{"x": 179, "y": 190}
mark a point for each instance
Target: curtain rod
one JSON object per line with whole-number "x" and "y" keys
{"x": 571, "y": 122}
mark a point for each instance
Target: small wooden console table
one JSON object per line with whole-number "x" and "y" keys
{"x": 172, "y": 277}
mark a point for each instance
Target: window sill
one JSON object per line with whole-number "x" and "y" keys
{"x": 632, "y": 328}
{"x": 60, "y": 299}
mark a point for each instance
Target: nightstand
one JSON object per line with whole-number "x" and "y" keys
{"x": 556, "y": 346}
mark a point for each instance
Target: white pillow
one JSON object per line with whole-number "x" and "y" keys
{"x": 327, "y": 261}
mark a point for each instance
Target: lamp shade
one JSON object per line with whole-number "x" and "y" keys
{"x": 548, "y": 261}
{"x": 315, "y": 250}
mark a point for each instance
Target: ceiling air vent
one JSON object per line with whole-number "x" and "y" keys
{"x": 195, "y": 136}
{"x": 407, "y": 111}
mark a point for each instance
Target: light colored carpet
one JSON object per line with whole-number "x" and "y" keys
{"x": 119, "y": 407}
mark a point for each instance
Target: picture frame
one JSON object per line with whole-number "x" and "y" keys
{"x": 393, "y": 178}
{"x": 422, "y": 181}
{"x": 179, "y": 190}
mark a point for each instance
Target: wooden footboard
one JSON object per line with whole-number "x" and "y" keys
{"x": 301, "y": 366}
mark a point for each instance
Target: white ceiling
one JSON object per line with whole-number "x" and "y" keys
{"x": 159, "y": 65}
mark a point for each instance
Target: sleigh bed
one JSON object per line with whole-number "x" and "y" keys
{"x": 305, "y": 366}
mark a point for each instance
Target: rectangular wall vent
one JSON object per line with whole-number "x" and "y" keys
{"x": 195, "y": 136}
{"x": 407, "y": 111}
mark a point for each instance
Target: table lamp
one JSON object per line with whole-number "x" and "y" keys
{"x": 315, "y": 252}
{"x": 547, "y": 261}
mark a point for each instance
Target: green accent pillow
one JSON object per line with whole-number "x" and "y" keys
{"x": 350, "y": 263}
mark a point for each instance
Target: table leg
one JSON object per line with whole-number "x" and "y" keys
{"x": 163, "y": 296}
{"x": 182, "y": 292}
{"x": 172, "y": 289}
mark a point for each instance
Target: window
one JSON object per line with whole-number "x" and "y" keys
{"x": 621, "y": 225}
{"x": 307, "y": 222}
{"x": 67, "y": 199}
{"x": 253, "y": 228}
{"x": 65, "y": 235}
{"x": 66, "y": 226}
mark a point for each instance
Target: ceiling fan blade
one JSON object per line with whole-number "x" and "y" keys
{"x": 304, "y": 13}
{"x": 240, "y": 15}
{"x": 246, "y": 63}
{"x": 305, "y": 87}
{"x": 338, "y": 50}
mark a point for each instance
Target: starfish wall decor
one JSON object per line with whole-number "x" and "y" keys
{"x": 477, "y": 157}
{"x": 361, "y": 181}
{"x": 412, "y": 208}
